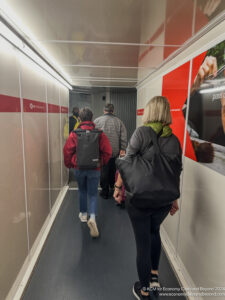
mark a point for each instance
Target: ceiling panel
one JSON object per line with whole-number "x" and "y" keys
{"x": 92, "y": 54}
{"x": 99, "y": 20}
{"x": 105, "y": 84}
{"x": 101, "y": 54}
{"x": 112, "y": 38}
{"x": 101, "y": 72}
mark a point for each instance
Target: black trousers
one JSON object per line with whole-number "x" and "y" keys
{"x": 148, "y": 242}
{"x": 107, "y": 179}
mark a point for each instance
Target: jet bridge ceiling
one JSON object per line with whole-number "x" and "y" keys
{"x": 107, "y": 43}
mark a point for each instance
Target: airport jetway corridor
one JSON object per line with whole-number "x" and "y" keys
{"x": 72, "y": 265}
{"x": 111, "y": 57}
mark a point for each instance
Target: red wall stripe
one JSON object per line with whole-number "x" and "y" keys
{"x": 52, "y": 108}
{"x": 12, "y": 104}
{"x": 64, "y": 110}
{"x": 140, "y": 112}
{"x": 33, "y": 106}
{"x": 9, "y": 104}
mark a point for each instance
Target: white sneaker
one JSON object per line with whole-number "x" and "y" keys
{"x": 154, "y": 282}
{"x": 93, "y": 228}
{"x": 83, "y": 217}
{"x": 154, "y": 285}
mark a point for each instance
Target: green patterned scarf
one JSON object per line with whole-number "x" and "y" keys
{"x": 158, "y": 126}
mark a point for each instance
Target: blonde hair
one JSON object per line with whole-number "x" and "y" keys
{"x": 157, "y": 110}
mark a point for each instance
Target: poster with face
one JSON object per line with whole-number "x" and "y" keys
{"x": 206, "y": 117}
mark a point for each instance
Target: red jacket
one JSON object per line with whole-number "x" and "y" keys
{"x": 71, "y": 144}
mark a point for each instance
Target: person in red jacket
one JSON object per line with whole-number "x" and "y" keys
{"x": 87, "y": 179}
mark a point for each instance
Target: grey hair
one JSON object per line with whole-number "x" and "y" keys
{"x": 109, "y": 108}
{"x": 157, "y": 110}
{"x": 86, "y": 114}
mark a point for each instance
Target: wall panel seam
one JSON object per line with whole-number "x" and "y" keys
{"x": 49, "y": 169}
{"x": 194, "y": 17}
{"x": 24, "y": 158}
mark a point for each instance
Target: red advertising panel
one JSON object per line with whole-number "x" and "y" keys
{"x": 175, "y": 88}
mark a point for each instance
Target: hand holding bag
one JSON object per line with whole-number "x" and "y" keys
{"x": 152, "y": 183}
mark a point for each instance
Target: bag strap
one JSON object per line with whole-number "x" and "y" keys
{"x": 154, "y": 139}
{"x": 79, "y": 130}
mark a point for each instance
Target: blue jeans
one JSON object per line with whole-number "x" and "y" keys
{"x": 88, "y": 187}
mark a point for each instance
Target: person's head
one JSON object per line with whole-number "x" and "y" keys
{"x": 76, "y": 111}
{"x": 85, "y": 114}
{"x": 109, "y": 108}
{"x": 157, "y": 110}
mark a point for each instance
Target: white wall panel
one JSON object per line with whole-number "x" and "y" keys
{"x": 9, "y": 79}
{"x": 201, "y": 238}
{"x": 53, "y": 90}
{"x": 152, "y": 89}
{"x": 36, "y": 145}
{"x": 13, "y": 231}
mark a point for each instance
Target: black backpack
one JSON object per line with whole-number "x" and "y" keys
{"x": 151, "y": 183}
{"x": 87, "y": 152}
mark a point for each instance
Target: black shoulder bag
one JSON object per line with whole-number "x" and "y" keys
{"x": 151, "y": 183}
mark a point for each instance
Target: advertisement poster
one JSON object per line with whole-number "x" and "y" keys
{"x": 175, "y": 89}
{"x": 206, "y": 118}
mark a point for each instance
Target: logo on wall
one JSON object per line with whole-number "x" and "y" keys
{"x": 64, "y": 110}
{"x": 34, "y": 106}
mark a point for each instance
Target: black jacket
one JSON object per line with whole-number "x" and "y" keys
{"x": 72, "y": 123}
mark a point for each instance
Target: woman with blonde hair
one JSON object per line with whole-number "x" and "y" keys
{"x": 146, "y": 221}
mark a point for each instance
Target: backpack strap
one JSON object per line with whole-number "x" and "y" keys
{"x": 97, "y": 131}
{"x": 79, "y": 130}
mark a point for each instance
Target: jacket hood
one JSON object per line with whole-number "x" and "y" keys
{"x": 89, "y": 125}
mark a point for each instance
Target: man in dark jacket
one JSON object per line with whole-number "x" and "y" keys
{"x": 74, "y": 119}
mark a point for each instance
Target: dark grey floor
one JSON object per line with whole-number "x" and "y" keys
{"x": 74, "y": 266}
